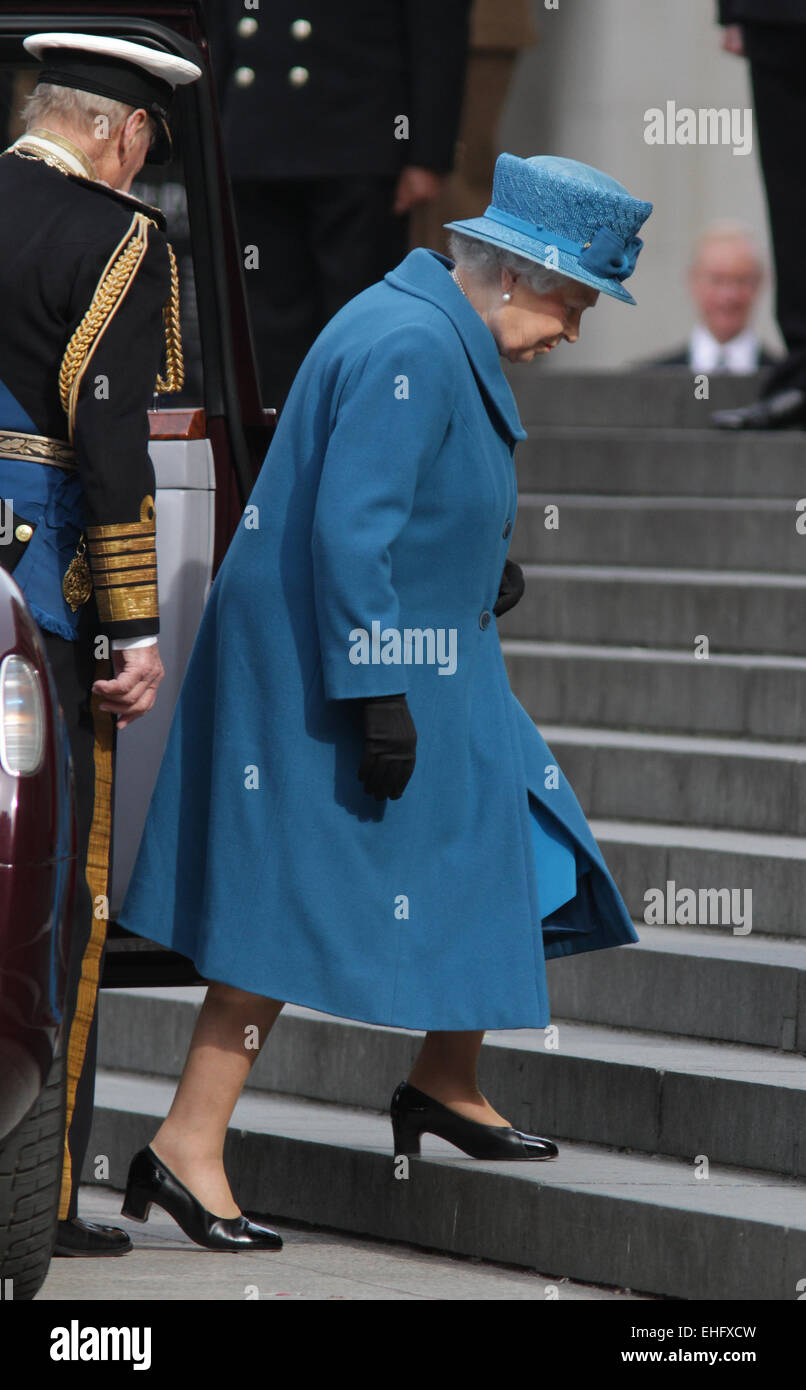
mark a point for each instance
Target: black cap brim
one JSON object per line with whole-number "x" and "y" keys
{"x": 119, "y": 81}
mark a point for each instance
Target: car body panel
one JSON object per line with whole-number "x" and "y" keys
{"x": 185, "y": 504}
{"x": 37, "y": 883}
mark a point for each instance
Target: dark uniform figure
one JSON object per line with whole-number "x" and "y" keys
{"x": 323, "y": 106}
{"x": 774, "y": 38}
{"x": 90, "y": 318}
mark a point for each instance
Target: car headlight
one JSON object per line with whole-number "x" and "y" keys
{"x": 22, "y": 717}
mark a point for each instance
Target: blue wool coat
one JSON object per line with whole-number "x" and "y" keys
{"x": 367, "y": 562}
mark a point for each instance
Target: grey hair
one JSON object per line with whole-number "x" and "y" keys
{"x": 727, "y": 230}
{"x": 81, "y": 109}
{"x": 487, "y": 261}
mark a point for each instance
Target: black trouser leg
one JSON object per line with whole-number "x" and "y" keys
{"x": 320, "y": 242}
{"x": 777, "y": 54}
{"x": 354, "y": 235}
{"x": 91, "y": 736}
{"x": 285, "y": 305}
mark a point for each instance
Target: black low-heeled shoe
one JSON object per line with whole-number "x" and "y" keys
{"x": 414, "y": 1113}
{"x": 151, "y": 1183}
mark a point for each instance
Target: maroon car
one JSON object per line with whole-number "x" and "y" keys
{"x": 37, "y": 878}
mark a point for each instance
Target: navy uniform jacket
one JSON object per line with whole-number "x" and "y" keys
{"x": 762, "y": 11}
{"x": 313, "y": 88}
{"x": 57, "y": 234}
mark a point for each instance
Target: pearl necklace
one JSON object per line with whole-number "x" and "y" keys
{"x": 455, "y": 278}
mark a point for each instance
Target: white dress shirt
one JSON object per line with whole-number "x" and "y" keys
{"x": 739, "y": 354}
{"x": 119, "y": 644}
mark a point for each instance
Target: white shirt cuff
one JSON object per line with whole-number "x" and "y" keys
{"x": 119, "y": 644}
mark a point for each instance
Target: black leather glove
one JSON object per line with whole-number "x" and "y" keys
{"x": 511, "y": 590}
{"x": 390, "y": 739}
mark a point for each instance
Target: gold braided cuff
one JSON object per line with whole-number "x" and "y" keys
{"x": 123, "y": 558}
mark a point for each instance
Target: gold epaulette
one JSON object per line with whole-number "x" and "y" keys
{"x": 116, "y": 280}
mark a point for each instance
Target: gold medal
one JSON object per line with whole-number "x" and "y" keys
{"x": 77, "y": 582}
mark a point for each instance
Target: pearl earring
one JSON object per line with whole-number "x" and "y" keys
{"x": 506, "y": 296}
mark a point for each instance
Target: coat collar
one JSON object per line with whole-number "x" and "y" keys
{"x": 427, "y": 274}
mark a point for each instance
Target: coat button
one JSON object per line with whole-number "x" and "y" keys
{"x": 301, "y": 28}
{"x": 247, "y": 27}
{"x": 24, "y": 532}
{"x": 484, "y": 620}
{"x": 244, "y": 77}
{"x": 507, "y": 531}
{"x": 298, "y": 77}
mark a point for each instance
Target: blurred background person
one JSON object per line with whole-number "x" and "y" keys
{"x": 338, "y": 120}
{"x": 499, "y": 31}
{"x": 725, "y": 278}
{"x": 771, "y": 34}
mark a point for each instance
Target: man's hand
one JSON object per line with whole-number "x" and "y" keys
{"x": 733, "y": 39}
{"x": 138, "y": 672}
{"x": 416, "y": 185}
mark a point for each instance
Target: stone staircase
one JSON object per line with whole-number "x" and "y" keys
{"x": 677, "y": 1086}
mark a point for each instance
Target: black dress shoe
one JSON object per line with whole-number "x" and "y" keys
{"x": 77, "y": 1237}
{"x": 414, "y": 1113}
{"x": 151, "y": 1183}
{"x": 773, "y": 412}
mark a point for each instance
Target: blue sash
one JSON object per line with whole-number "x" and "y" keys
{"x": 52, "y": 500}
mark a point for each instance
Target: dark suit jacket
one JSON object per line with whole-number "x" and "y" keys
{"x": 679, "y": 358}
{"x": 761, "y": 11}
{"x": 364, "y": 64}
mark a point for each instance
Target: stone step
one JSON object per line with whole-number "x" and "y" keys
{"x": 577, "y": 1081}
{"x": 604, "y": 604}
{"x": 644, "y": 857}
{"x": 730, "y": 783}
{"x": 696, "y": 983}
{"x": 671, "y": 532}
{"x": 690, "y": 982}
{"x": 668, "y": 462}
{"x": 644, "y": 1223}
{"x": 640, "y": 688}
{"x": 640, "y": 400}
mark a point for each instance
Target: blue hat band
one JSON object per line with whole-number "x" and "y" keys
{"x": 605, "y": 254}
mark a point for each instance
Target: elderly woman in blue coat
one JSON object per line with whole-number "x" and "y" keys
{"x": 353, "y": 811}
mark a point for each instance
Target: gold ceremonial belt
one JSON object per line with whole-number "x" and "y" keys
{"x": 38, "y": 448}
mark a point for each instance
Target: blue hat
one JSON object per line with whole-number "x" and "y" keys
{"x": 586, "y": 219}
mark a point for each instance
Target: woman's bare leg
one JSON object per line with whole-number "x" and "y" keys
{"x": 445, "y": 1069}
{"x": 229, "y": 1033}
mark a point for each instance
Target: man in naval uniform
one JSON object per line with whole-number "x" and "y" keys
{"x": 338, "y": 119}
{"x": 90, "y": 322}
